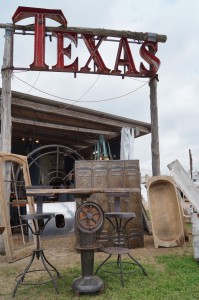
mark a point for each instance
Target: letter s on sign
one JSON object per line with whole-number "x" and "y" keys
{"x": 150, "y": 58}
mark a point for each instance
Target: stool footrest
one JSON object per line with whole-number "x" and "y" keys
{"x": 119, "y": 251}
{"x": 39, "y": 254}
{"x": 39, "y": 283}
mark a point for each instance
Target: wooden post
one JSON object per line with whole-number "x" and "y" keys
{"x": 6, "y": 126}
{"x": 191, "y": 164}
{"x": 6, "y": 123}
{"x": 195, "y": 235}
{"x": 154, "y": 127}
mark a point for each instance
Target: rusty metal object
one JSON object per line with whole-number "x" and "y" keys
{"x": 89, "y": 219}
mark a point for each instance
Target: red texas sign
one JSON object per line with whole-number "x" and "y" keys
{"x": 124, "y": 58}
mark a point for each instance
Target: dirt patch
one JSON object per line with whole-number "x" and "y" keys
{"x": 64, "y": 254}
{"x": 61, "y": 251}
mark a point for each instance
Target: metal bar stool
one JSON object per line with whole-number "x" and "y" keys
{"x": 119, "y": 221}
{"x": 39, "y": 226}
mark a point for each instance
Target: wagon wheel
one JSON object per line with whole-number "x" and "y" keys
{"x": 89, "y": 217}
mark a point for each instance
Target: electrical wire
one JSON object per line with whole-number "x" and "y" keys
{"x": 89, "y": 88}
{"x": 85, "y": 101}
{"x": 32, "y": 87}
{"x": 133, "y": 78}
{"x": 78, "y": 100}
{"x": 22, "y": 97}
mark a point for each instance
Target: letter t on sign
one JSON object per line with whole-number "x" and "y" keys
{"x": 40, "y": 15}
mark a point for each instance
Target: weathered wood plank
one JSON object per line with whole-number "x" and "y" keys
{"x": 62, "y": 127}
{"x": 140, "y": 36}
{"x": 78, "y": 115}
{"x": 84, "y": 191}
{"x": 184, "y": 182}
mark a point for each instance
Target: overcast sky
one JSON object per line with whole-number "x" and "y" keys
{"x": 178, "y": 86}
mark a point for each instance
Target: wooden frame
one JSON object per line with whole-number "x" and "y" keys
{"x": 11, "y": 253}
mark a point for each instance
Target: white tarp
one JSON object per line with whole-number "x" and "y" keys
{"x": 127, "y": 143}
{"x": 184, "y": 182}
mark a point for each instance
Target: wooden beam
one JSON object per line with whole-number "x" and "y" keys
{"x": 139, "y": 36}
{"x": 63, "y": 127}
{"x": 84, "y": 191}
{"x": 75, "y": 140}
{"x": 100, "y": 118}
{"x": 66, "y": 140}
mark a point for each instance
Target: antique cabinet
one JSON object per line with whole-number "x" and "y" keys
{"x": 114, "y": 174}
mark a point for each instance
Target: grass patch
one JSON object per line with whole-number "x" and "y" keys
{"x": 171, "y": 277}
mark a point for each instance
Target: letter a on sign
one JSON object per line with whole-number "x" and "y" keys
{"x": 126, "y": 61}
